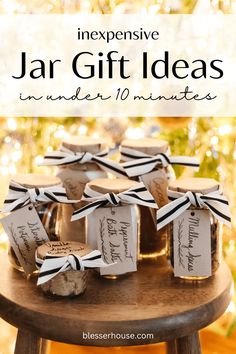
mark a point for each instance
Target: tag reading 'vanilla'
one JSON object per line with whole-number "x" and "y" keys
{"x": 25, "y": 232}
{"x": 114, "y": 232}
{"x": 192, "y": 244}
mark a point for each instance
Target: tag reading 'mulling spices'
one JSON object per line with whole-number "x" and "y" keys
{"x": 114, "y": 232}
{"x": 25, "y": 232}
{"x": 192, "y": 244}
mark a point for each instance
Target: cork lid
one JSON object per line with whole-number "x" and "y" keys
{"x": 62, "y": 249}
{"x": 32, "y": 180}
{"x": 85, "y": 144}
{"x": 149, "y": 146}
{"x": 197, "y": 185}
{"x": 105, "y": 185}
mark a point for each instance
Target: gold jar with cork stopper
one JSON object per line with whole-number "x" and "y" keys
{"x": 44, "y": 193}
{"x": 194, "y": 216}
{"x": 119, "y": 224}
{"x": 152, "y": 242}
{"x": 112, "y": 220}
{"x": 79, "y": 160}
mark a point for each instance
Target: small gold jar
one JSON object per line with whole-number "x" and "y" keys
{"x": 64, "y": 266}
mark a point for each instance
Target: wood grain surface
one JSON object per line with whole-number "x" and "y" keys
{"x": 85, "y": 144}
{"x": 31, "y": 180}
{"x": 196, "y": 184}
{"x": 189, "y": 344}
{"x": 107, "y": 185}
{"x": 149, "y": 301}
{"x": 150, "y": 146}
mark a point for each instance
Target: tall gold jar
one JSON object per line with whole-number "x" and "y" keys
{"x": 152, "y": 242}
{"x": 74, "y": 177}
{"x": 203, "y": 186}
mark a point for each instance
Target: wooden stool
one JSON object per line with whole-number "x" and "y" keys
{"x": 150, "y": 301}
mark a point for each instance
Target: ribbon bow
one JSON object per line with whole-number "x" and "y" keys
{"x": 53, "y": 265}
{"x": 215, "y": 202}
{"x": 65, "y": 157}
{"x": 19, "y": 196}
{"x": 146, "y": 163}
{"x": 135, "y": 195}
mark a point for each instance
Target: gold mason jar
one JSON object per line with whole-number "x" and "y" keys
{"x": 203, "y": 186}
{"x": 152, "y": 242}
{"x": 110, "y": 221}
{"x": 74, "y": 177}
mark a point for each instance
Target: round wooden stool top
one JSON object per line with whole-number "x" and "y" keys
{"x": 149, "y": 301}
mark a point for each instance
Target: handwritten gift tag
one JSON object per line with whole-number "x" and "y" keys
{"x": 114, "y": 232}
{"x": 192, "y": 243}
{"x": 25, "y": 232}
{"x": 156, "y": 183}
{"x": 74, "y": 181}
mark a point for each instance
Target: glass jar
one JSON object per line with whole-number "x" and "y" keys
{"x": 106, "y": 225}
{"x": 74, "y": 177}
{"x": 203, "y": 186}
{"x": 70, "y": 282}
{"x": 48, "y": 212}
{"x": 152, "y": 242}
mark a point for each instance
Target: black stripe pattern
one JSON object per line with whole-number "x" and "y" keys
{"x": 215, "y": 202}
{"x": 19, "y": 196}
{"x": 65, "y": 157}
{"x": 138, "y": 163}
{"x": 135, "y": 195}
{"x": 51, "y": 265}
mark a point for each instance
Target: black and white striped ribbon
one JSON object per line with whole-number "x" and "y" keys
{"x": 138, "y": 163}
{"x": 19, "y": 196}
{"x": 135, "y": 195}
{"x": 215, "y": 202}
{"x": 53, "y": 265}
{"x": 65, "y": 157}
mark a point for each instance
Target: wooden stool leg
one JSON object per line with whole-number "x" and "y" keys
{"x": 27, "y": 342}
{"x": 189, "y": 344}
{"x": 171, "y": 347}
{"x": 45, "y": 346}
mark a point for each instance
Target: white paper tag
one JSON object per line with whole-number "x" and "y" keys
{"x": 192, "y": 244}
{"x": 156, "y": 182}
{"x": 74, "y": 181}
{"x": 25, "y": 232}
{"x": 114, "y": 232}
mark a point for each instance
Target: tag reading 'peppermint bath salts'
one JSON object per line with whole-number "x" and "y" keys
{"x": 192, "y": 244}
{"x": 25, "y": 232}
{"x": 114, "y": 232}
